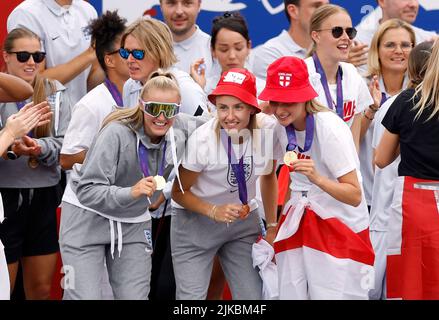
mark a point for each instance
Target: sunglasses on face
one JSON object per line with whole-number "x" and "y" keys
{"x": 337, "y": 32}
{"x": 137, "y": 53}
{"x": 24, "y": 56}
{"x": 154, "y": 109}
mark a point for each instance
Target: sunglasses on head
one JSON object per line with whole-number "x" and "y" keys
{"x": 24, "y": 56}
{"x": 337, "y": 32}
{"x": 137, "y": 53}
{"x": 154, "y": 109}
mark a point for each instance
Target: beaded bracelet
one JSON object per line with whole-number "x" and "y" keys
{"x": 212, "y": 213}
{"x": 365, "y": 115}
{"x": 272, "y": 225}
{"x": 373, "y": 109}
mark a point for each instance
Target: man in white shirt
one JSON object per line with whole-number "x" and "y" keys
{"x": 294, "y": 42}
{"x": 190, "y": 42}
{"x": 60, "y": 24}
{"x": 406, "y": 10}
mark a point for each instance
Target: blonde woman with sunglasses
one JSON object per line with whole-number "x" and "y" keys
{"x": 30, "y": 174}
{"x": 339, "y": 85}
{"x": 123, "y": 173}
{"x": 146, "y": 46}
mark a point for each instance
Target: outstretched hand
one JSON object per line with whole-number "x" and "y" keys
{"x": 29, "y": 117}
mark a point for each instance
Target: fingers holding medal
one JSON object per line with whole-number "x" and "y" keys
{"x": 289, "y": 158}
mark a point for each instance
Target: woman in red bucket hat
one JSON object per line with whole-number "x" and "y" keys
{"x": 218, "y": 211}
{"x": 322, "y": 246}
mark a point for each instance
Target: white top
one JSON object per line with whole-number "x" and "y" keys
{"x": 279, "y": 46}
{"x": 384, "y": 179}
{"x": 366, "y": 151}
{"x": 369, "y": 26}
{"x": 216, "y": 182}
{"x": 94, "y": 107}
{"x": 193, "y": 98}
{"x": 334, "y": 154}
{"x": 62, "y": 32}
{"x": 194, "y": 48}
{"x": 356, "y": 96}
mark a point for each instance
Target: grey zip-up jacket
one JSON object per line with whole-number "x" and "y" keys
{"x": 17, "y": 173}
{"x": 112, "y": 166}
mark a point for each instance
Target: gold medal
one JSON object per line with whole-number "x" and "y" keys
{"x": 160, "y": 182}
{"x": 33, "y": 163}
{"x": 290, "y": 157}
{"x": 245, "y": 211}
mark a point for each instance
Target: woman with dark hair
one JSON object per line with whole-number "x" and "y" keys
{"x": 230, "y": 45}
{"x": 30, "y": 184}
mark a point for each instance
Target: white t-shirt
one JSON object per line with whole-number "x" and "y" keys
{"x": 4, "y": 274}
{"x": 334, "y": 154}
{"x": 193, "y": 98}
{"x": 85, "y": 124}
{"x": 356, "y": 96}
{"x": 273, "y": 49}
{"x": 216, "y": 182}
{"x": 194, "y": 48}
{"x": 367, "y": 28}
{"x": 62, "y": 32}
{"x": 366, "y": 151}
{"x": 384, "y": 179}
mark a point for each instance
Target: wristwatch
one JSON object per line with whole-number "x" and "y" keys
{"x": 11, "y": 154}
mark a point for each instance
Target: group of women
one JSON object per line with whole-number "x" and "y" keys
{"x": 170, "y": 151}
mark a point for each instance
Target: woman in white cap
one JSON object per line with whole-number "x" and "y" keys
{"x": 322, "y": 247}
{"x": 218, "y": 213}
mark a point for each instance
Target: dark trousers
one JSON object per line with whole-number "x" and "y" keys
{"x": 162, "y": 274}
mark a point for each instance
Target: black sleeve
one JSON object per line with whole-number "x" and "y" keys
{"x": 402, "y": 104}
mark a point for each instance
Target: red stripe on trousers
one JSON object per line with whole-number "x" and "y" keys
{"x": 414, "y": 274}
{"x": 330, "y": 236}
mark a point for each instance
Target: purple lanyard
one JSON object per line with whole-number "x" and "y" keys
{"x": 324, "y": 81}
{"x": 143, "y": 159}
{"x": 237, "y": 167}
{"x": 20, "y": 105}
{"x": 114, "y": 92}
{"x": 383, "y": 98}
{"x": 309, "y": 135}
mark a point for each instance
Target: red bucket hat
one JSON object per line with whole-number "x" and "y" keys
{"x": 288, "y": 81}
{"x": 239, "y": 83}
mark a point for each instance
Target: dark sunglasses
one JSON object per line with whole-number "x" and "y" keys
{"x": 137, "y": 53}
{"x": 337, "y": 32}
{"x": 154, "y": 109}
{"x": 24, "y": 56}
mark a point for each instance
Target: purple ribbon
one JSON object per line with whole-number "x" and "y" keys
{"x": 324, "y": 81}
{"x": 20, "y": 105}
{"x": 309, "y": 135}
{"x": 114, "y": 92}
{"x": 237, "y": 167}
{"x": 143, "y": 159}
{"x": 383, "y": 98}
